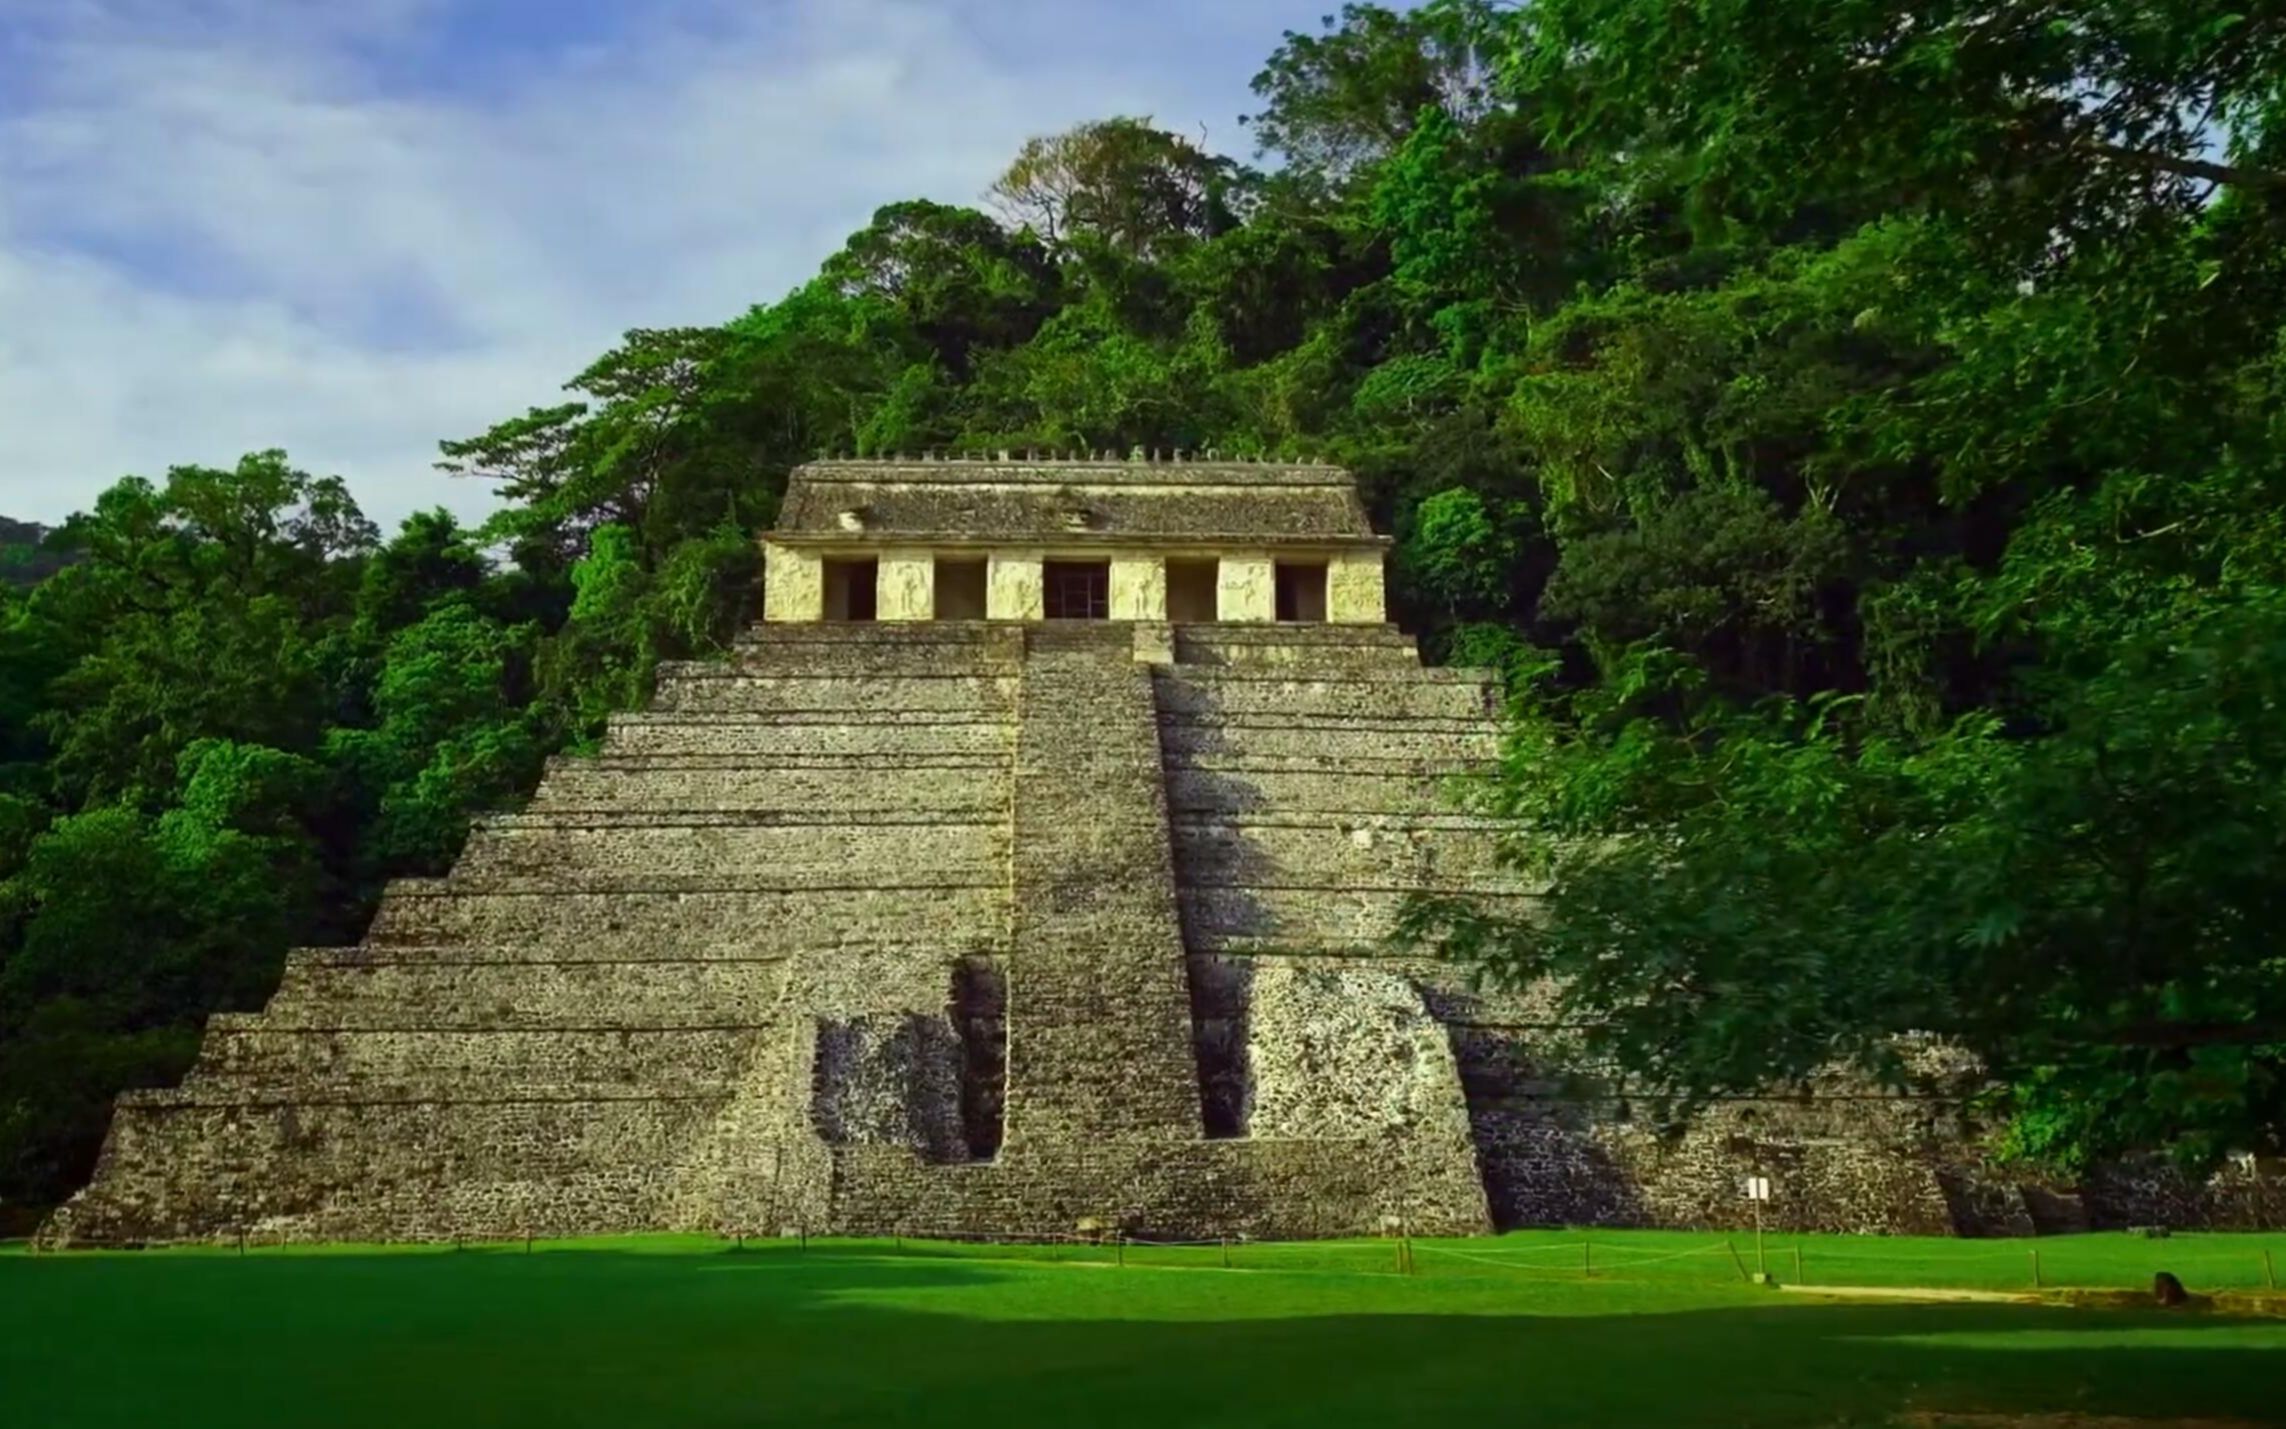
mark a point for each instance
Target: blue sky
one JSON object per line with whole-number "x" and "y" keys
{"x": 353, "y": 227}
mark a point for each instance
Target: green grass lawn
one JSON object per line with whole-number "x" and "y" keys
{"x": 682, "y": 1331}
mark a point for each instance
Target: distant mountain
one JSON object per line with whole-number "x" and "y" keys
{"x": 22, "y": 562}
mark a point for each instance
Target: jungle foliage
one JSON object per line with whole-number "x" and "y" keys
{"x": 1858, "y": 431}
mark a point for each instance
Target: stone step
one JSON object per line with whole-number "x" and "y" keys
{"x": 305, "y": 1095}
{"x": 1194, "y": 791}
{"x": 832, "y": 950}
{"x": 629, "y": 1061}
{"x": 825, "y": 823}
{"x": 1293, "y": 633}
{"x": 870, "y": 634}
{"x": 1374, "y": 851}
{"x": 1444, "y": 741}
{"x": 1358, "y": 766}
{"x": 1328, "y": 647}
{"x": 632, "y": 788}
{"x": 818, "y": 852}
{"x": 635, "y": 765}
{"x": 646, "y": 924}
{"x": 890, "y": 719}
{"x": 754, "y": 739}
{"x": 1186, "y": 701}
{"x": 874, "y": 661}
{"x": 1113, "y": 640}
{"x": 1221, "y": 676}
{"x": 518, "y": 994}
{"x": 714, "y": 690}
{"x": 1216, "y": 917}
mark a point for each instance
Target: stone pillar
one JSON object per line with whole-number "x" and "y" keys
{"x": 1138, "y": 588}
{"x": 1246, "y": 588}
{"x": 1013, "y": 589}
{"x": 1354, "y": 592}
{"x": 906, "y": 586}
{"x": 793, "y": 584}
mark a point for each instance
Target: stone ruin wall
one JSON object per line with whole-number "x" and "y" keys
{"x": 984, "y": 930}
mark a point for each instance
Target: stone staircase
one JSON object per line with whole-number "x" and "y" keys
{"x": 1099, "y": 1008}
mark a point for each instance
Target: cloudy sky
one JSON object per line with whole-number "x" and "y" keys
{"x": 353, "y": 227}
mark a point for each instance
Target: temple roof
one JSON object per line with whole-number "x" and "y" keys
{"x": 1066, "y": 502}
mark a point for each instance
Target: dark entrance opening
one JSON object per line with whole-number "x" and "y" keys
{"x": 960, "y": 589}
{"x": 850, "y": 589}
{"x": 1301, "y": 591}
{"x": 1191, "y": 596}
{"x": 1076, "y": 590}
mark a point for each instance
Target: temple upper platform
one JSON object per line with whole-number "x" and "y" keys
{"x": 1021, "y": 539}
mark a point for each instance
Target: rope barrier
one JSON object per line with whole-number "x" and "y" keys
{"x": 2088, "y": 1263}
{"x": 1495, "y": 1259}
{"x": 1824, "y": 1253}
{"x": 1569, "y": 1250}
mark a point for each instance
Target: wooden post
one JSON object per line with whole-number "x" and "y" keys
{"x": 2035, "y": 1267}
{"x": 1761, "y": 1261}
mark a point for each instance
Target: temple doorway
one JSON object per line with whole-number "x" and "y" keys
{"x": 851, "y": 589}
{"x": 1076, "y": 590}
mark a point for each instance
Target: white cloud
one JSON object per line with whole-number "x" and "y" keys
{"x": 232, "y": 224}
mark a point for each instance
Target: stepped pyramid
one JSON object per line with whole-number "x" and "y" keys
{"x": 1029, "y": 866}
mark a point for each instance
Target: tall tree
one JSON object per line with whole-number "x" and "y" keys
{"x": 1345, "y": 99}
{"x": 2035, "y": 384}
{"x": 1144, "y": 192}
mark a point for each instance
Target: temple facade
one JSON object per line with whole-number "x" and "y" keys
{"x": 1004, "y": 540}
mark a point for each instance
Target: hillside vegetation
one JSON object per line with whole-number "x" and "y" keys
{"x": 1858, "y": 430}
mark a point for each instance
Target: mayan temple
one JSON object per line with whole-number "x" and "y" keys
{"x": 1029, "y": 866}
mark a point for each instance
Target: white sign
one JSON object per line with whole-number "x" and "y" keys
{"x": 1757, "y": 1188}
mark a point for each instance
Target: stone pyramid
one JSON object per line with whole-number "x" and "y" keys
{"x": 1002, "y": 926}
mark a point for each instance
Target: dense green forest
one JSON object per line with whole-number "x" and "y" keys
{"x": 1858, "y": 430}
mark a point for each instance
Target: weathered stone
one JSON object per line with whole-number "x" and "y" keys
{"x": 1139, "y": 588}
{"x": 1013, "y": 589}
{"x": 1244, "y": 590}
{"x": 1354, "y": 593}
{"x": 794, "y": 584}
{"x": 906, "y": 585}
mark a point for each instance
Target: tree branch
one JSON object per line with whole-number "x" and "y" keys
{"x": 2188, "y": 168}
